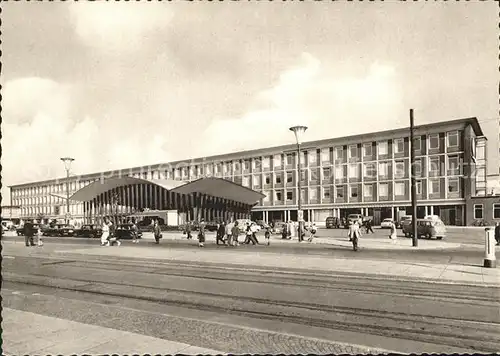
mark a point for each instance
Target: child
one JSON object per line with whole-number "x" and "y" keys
{"x": 267, "y": 236}
{"x": 39, "y": 236}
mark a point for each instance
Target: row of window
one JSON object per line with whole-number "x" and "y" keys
{"x": 400, "y": 189}
{"x": 51, "y": 210}
{"x": 479, "y": 211}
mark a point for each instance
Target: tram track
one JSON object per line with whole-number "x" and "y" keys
{"x": 453, "y": 331}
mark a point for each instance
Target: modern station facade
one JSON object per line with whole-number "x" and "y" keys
{"x": 367, "y": 174}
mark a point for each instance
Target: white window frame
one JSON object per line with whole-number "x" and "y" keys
{"x": 355, "y": 150}
{"x": 289, "y": 174}
{"x": 380, "y": 190}
{"x": 339, "y": 172}
{"x": 287, "y": 192}
{"x": 431, "y": 190}
{"x": 379, "y": 145}
{"x": 396, "y": 145}
{"x": 245, "y": 181}
{"x": 276, "y": 195}
{"x": 326, "y": 176}
{"x": 312, "y": 156}
{"x": 495, "y": 206}
{"x": 451, "y": 133}
{"x": 289, "y": 157}
{"x": 313, "y": 196}
{"x": 365, "y": 190}
{"x": 379, "y": 171}
{"x": 399, "y": 184}
{"x": 277, "y": 161}
{"x": 454, "y": 179}
{"x": 482, "y": 211}
{"x": 458, "y": 164}
{"x": 339, "y": 190}
{"x": 325, "y": 152}
{"x": 256, "y": 178}
{"x": 365, "y": 146}
{"x": 419, "y": 147}
{"x": 430, "y": 140}
{"x": 396, "y": 163}
{"x": 270, "y": 179}
{"x": 351, "y": 187}
{"x": 368, "y": 174}
{"x": 280, "y": 176}
{"x": 266, "y": 162}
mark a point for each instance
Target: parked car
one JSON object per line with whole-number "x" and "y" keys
{"x": 278, "y": 227}
{"x": 353, "y": 217}
{"x": 428, "y": 228}
{"x": 124, "y": 231}
{"x": 60, "y": 230}
{"x": 399, "y": 224}
{"x": 262, "y": 224}
{"x": 89, "y": 231}
{"x": 386, "y": 223}
{"x": 20, "y": 230}
{"x": 332, "y": 222}
{"x": 211, "y": 226}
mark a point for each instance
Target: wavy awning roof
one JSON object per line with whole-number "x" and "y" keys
{"x": 217, "y": 187}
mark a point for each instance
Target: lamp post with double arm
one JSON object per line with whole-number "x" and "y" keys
{"x": 299, "y": 132}
{"x": 67, "y": 165}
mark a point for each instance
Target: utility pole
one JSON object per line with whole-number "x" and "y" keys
{"x": 67, "y": 165}
{"x": 413, "y": 183}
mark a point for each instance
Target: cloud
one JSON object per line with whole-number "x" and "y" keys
{"x": 118, "y": 26}
{"x": 41, "y": 123}
{"x": 332, "y": 105}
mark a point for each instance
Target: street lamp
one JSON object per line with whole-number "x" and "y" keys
{"x": 67, "y": 165}
{"x": 298, "y": 132}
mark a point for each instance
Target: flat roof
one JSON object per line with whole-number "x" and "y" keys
{"x": 282, "y": 148}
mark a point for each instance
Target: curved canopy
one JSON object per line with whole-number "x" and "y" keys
{"x": 96, "y": 188}
{"x": 216, "y": 187}
{"x": 221, "y": 188}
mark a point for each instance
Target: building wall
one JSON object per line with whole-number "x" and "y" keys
{"x": 488, "y": 205}
{"x": 362, "y": 171}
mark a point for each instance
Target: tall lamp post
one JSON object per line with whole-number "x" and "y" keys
{"x": 299, "y": 131}
{"x": 67, "y": 165}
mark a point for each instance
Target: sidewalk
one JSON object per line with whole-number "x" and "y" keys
{"x": 368, "y": 242}
{"x": 25, "y": 333}
{"x": 242, "y": 258}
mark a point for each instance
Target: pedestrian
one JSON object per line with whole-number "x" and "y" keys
{"x": 312, "y": 232}
{"x": 157, "y": 232}
{"x": 188, "y": 230}
{"x": 284, "y": 231}
{"x": 112, "y": 229}
{"x": 253, "y": 237}
{"x": 356, "y": 234}
{"x": 497, "y": 233}
{"x": 201, "y": 234}
{"x": 228, "y": 232}
{"x": 235, "y": 232}
{"x": 351, "y": 231}
{"x": 39, "y": 236}
{"x": 368, "y": 226}
{"x": 248, "y": 234}
{"x": 267, "y": 235}
{"x": 105, "y": 232}
{"x": 28, "y": 233}
{"x": 393, "y": 236}
{"x": 221, "y": 231}
{"x": 135, "y": 232}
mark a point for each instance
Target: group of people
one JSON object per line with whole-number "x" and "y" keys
{"x": 109, "y": 236}
{"x": 289, "y": 231}
{"x": 355, "y": 231}
{"x": 32, "y": 228}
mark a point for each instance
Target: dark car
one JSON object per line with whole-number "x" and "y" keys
{"x": 124, "y": 231}
{"x": 20, "y": 230}
{"x": 332, "y": 222}
{"x": 60, "y": 230}
{"x": 211, "y": 226}
{"x": 89, "y": 231}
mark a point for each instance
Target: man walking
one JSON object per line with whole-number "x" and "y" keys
{"x": 368, "y": 226}
{"x": 235, "y": 231}
{"x": 221, "y": 231}
{"x": 28, "y": 233}
{"x": 229, "y": 233}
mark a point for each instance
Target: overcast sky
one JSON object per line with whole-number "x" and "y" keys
{"x": 116, "y": 85}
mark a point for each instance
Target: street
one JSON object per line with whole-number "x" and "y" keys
{"x": 241, "y": 309}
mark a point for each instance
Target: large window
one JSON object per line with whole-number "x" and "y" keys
{"x": 383, "y": 190}
{"x": 266, "y": 162}
{"x": 313, "y": 193}
{"x": 353, "y": 151}
{"x": 325, "y": 155}
{"x": 368, "y": 190}
{"x": 496, "y": 211}
{"x": 256, "y": 181}
{"x": 289, "y": 177}
{"x": 367, "y": 149}
{"x": 312, "y": 156}
{"x": 417, "y": 168}
{"x": 277, "y": 160}
{"x": 417, "y": 143}
{"x": 353, "y": 191}
{"x": 478, "y": 211}
{"x": 383, "y": 169}
{"x": 383, "y": 148}
{"x": 453, "y": 165}
{"x": 339, "y": 172}
{"x": 339, "y": 152}
{"x": 399, "y": 145}
{"x": 399, "y": 169}
{"x": 369, "y": 170}
{"x": 267, "y": 179}
{"x": 277, "y": 179}
{"x": 399, "y": 188}
{"x": 289, "y": 159}
{"x": 327, "y": 173}
{"x": 353, "y": 171}
{"x": 434, "y": 165}
{"x": 289, "y": 195}
{"x": 434, "y": 186}
{"x": 434, "y": 142}
{"x": 326, "y": 193}
{"x": 452, "y": 139}
{"x": 453, "y": 185}
{"x": 340, "y": 191}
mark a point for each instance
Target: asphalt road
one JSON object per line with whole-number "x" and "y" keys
{"x": 244, "y": 310}
{"x": 462, "y": 255}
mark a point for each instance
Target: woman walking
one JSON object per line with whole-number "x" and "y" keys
{"x": 393, "y": 236}
{"x": 201, "y": 234}
{"x": 105, "y": 233}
